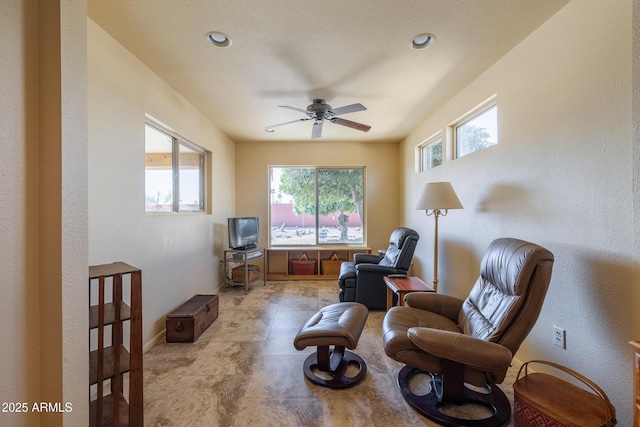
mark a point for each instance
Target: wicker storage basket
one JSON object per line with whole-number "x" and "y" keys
{"x": 331, "y": 265}
{"x": 237, "y": 274}
{"x": 303, "y": 265}
{"x": 541, "y": 399}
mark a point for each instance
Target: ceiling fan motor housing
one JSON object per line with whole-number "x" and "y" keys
{"x": 319, "y": 108}
{"x": 319, "y": 111}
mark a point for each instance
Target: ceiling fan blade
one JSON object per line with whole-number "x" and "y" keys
{"x": 270, "y": 128}
{"x": 317, "y": 129}
{"x": 349, "y": 123}
{"x": 294, "y": 109}
{"x": 348, "y": 109}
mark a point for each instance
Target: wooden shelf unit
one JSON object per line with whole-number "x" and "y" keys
{"x": 279, "y": 257}
{"x": 115, "y": 357}
{"x": 636, "y": 383}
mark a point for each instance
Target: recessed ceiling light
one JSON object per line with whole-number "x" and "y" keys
{"x": 219, "y": 39}
{"x": 422, "y": 41}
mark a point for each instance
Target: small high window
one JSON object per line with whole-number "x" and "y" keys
{"x": 174, "y": 173}
{"x": 477, "y": 131}
{"x": 430, "y": 154}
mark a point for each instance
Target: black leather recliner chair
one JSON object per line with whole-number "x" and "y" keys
{"x": 361, "y": 280}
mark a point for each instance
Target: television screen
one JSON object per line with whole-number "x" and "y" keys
{"x": 244, "y": 232}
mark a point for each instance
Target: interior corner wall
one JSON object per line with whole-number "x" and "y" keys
{"x": 381, "y": 167}
{"x": 178, "y": 253}
{"x": 560, "y": 176}
{"x": 43, "y": 303}
{"x": 19, "y": 255}
{"x": 636, "y": 159}
{"x": 74, "y": 215}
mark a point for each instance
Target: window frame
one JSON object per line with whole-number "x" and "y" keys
{"x": 423, "y": 154}
{"x": 317, "y": 215}
{"x": 475, "y": 113}
{"x": 177, "y": 142}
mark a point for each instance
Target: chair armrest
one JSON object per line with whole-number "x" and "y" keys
{"x": 361, "y": 258}
{"x": 381, "y": 270}
{"x": 444, "y": 305}
{"x": 461, "y": 348}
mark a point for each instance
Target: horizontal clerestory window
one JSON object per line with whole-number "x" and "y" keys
{"x": 477, "y": 130}
{"x": 430, "y": 153}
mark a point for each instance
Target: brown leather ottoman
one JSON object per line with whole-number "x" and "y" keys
{"x": 338, "y": 325}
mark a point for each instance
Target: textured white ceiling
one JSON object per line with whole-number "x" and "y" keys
{"x": 288, "y": 52}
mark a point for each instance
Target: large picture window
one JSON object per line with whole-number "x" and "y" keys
{"x": 316, "y": 205}
{"x": 174, "y": 173}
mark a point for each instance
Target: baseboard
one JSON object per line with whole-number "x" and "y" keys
{"x": 516, "y": 363}
{"x": 216, "y": 291}
{"x": 161, "y": 337}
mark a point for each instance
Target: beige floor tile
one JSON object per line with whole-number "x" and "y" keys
{"x": 244, "y": 370}
{"x": 279, "y": 412}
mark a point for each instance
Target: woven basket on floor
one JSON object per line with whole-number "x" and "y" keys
{"x": 331, "y": 265}
{"x": 237, "y": 274}
{"x": 543, "y": 400}
{"x": 303, "y": 265}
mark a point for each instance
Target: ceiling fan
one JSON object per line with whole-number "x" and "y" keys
{"x": 320, "y": 111}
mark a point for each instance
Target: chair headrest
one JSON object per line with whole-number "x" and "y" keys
{"x": 506, "y": 300}
{"x": 509, "y": 263}
{"x": 399, "y": 253}
{"x": 400, "y": 234}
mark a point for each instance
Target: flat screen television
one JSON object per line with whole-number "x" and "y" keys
{"x": 244, "y": 232}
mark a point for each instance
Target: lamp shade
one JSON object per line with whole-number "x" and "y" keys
{"x": 438, "y": 195}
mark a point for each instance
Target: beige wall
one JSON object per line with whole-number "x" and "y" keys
{"x": 178, "y": 254}
{"x": 635, "y": 141}
{"x": 380, "y": 159}
{"x": 43, "y": 254}
{"x": 561, "y": 176}
{"x": 19, "y": 211}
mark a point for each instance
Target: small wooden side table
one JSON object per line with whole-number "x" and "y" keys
{"x": 402, "y": 286}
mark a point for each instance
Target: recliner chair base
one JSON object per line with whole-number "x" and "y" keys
{"x": 429, "y": 404}
{"x": 334, "y": 363}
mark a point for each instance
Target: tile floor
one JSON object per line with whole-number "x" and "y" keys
{"x": 244, "y": 371}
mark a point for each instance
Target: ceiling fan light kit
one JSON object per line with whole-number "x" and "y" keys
{"x": 319, "y": 111}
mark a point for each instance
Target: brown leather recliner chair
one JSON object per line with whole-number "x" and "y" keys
{"x": 470, "y": 341}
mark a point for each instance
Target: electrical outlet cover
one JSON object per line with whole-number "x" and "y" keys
{"x": 559, "y": 337}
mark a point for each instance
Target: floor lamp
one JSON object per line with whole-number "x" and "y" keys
{"x": 436, "y": 199}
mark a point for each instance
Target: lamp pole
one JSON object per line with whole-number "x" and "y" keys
{"x": 436, "y": 199}
{"x": 436, "y": 213}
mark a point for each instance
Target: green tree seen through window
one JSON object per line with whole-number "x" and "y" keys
{"x": 339, "y": 192}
